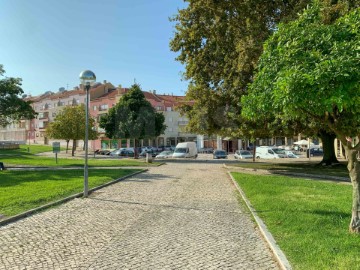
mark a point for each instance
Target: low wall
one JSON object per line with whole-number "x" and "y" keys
{"x": 10, "y": 145}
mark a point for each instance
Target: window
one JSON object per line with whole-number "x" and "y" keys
{"x": 103, "y": 107}
{"x": 94, "y": 107}
{"x": 168, "y": 109}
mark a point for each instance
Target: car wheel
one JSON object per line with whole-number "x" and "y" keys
{"x": 258, "y": 157}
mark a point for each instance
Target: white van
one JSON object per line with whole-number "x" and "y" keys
{"x": 268, "y": 152}
{"x": 185, "y": 150}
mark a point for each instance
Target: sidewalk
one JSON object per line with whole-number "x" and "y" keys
{"x": 176, "y": 216}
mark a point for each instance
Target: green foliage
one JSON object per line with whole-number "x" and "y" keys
{"x": 133, "y": 117}
{"x": 220, "y": 42}
{"x": 310, "y": 71}
{"x": 13, "y": 107}
{"x": 69, "y": 124}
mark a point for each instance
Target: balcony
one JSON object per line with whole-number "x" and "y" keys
{"x": 183, "y": 123}
{"x": 43, "y": 116}
{"x": 43, "y": 125}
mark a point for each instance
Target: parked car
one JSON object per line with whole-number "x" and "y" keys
{"x": 152, "y": 152}
{"x": 243, "y": 154}
{"x": 290, "y": 154}
{"x": 126, "y": 153}
{"x": 315, "y": 152}
{"x": 268, "y": 152}
{"x": 165, "y": 154}
{"x": 102, "y": 152}
{"x": 185, "y": 150}
{"x": 219, "y": 154}
{"x": 123, "y": 152}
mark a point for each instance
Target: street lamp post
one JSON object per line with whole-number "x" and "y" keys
{"x": 86, "y": 78}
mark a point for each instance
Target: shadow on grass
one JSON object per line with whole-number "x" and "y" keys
{"x": 304, "y": 167}
{"x": 335, "y": 214}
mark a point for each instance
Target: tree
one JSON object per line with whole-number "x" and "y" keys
{"x": 220, "y": 42}
{"x": 133, "y": 117}
{"x": 69, "y": 124}
{"x": 12, "y": 106}
{"x": 310, "y": 71}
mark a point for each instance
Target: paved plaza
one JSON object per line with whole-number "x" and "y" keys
{"x": 182, "y": 215}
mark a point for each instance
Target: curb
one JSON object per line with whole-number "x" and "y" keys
{"x": 279, "y": 255}
{"x": 69, "y": 198}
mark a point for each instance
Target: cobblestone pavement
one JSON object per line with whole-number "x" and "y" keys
{"x": 176, "y": 216}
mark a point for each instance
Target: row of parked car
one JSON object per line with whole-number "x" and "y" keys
{"x": 130, "y": 152}
{"x": 266, "y": 152}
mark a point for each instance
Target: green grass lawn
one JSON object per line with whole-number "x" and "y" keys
{"x": 298, "y": 167}
{"x": 24, "y": 190}
{"x": 309, "y": 219}
{"x": 23, "y": 157}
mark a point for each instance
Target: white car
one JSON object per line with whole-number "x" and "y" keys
{"x": 243, "y": 154}
{"x": 165, "y": 154}
{"x": 290, "y": 154}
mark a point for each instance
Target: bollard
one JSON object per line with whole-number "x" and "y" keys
{"x": 148, "y": 158}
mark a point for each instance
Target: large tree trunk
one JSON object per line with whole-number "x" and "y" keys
{"x": 328, "y": 139}
{"x": 73, "y": 148}
{"x": 354, "y": 172}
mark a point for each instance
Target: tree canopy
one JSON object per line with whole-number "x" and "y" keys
{"x": 219, "y": 42}
{"x": 133, "y": 117}
{"x": 69, "y": 124}
{"x": 12, "y": 106}
{"x": 310, "y": 71}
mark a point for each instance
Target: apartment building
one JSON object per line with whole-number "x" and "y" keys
{"x": 166, "y": 104}
{"x": 103, "y": 96}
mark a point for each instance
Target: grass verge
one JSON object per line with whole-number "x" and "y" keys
{"x": 24, "y": 190}
{"x": 308, "y": 219}
{"x": 29, "y": 158}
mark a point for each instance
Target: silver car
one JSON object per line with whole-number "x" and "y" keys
{"x": 243, "y": 154}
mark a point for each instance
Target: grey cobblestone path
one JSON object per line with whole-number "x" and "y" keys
{"x": 177, "y": 216}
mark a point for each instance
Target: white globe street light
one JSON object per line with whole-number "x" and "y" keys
{"x": 87, "y": 77}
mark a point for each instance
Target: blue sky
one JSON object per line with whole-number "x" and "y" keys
{"x": 48, "y": 43}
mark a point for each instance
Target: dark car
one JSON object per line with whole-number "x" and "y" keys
{"x": 126, "y": 153}
{"x": 315, "y": 152}
{"x": 102, "y": 152}
{"x": 152, "y": 152}
{"x": 219, "y": 154}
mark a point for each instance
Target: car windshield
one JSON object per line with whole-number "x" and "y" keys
{"x": 245, "y": 153}
{"x": 278, "y": 151}
{"x": 220, "y": 153}
{"x": 181, "y": 150}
